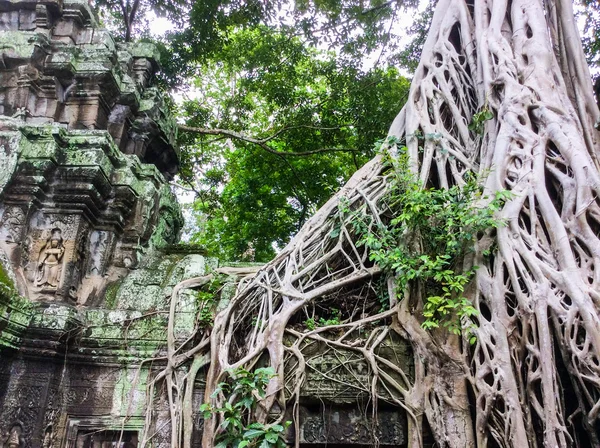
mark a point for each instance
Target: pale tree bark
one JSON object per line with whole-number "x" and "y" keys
{"x": 532, "y": 378}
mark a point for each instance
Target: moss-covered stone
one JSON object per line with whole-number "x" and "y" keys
{"x": 6, "y": 282}
{"x": 86, "y": 151}
{"x": 110, "y": 295}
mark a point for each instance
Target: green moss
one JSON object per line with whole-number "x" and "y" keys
{"x": 169, "y": 272}
{"x": 7, "y": 287}
{"x": 185, "y": 248}
{"x": 110, "y": 296}
{"x": 5, "y": 279}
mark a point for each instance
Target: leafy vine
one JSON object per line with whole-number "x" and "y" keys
{"x": 428, "y": 236}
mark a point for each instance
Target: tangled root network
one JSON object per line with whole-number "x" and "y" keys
{"x": 531, "y": 375}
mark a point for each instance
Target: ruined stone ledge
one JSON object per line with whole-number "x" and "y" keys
{"x": 19, "y": 47}
{"x": 79, "y": 170}
{"x": 101, "y": 335}
{"x": 63, "y": 331}
{"x": 25, "y": 14}
{"x": 57, "y": 66}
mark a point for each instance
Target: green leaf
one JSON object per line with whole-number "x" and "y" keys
{"x": 247, "y": 402}
{"x": 268, "y": 372}
{"x": 253, "y": 433}
{"x": 271, "y": 437}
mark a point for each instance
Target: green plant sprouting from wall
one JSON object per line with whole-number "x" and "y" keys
{"x": 241, "y": 393}
{"x": 425, "y": 243}
{"x": 206, "y": 300}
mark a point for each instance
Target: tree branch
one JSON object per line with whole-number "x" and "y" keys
{"x": 262, "y": 142}
{"x": 132, "y": 14}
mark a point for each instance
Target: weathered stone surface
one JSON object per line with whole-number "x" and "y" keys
{"x": 58, "y": 67}
{"x": 67, "y": 370}
{"x": 351, "y": 425}
{"x": 77, "y": 212}
{"x": 86, "y": 150}
{"x": 341, "y": 377}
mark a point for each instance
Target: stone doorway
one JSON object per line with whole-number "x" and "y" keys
{"x": 103, "y": 432}
{"x": 107, "y": 439}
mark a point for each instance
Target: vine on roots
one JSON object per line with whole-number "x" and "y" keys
{"x": 428, "y": 237}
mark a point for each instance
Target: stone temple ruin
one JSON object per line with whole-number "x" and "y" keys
{"x": 88, "y": 245}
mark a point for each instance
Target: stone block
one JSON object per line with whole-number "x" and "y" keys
{"x": 27, "y": 20}
{"x": 9, "y": 20}
{"x": 348, "y": 426}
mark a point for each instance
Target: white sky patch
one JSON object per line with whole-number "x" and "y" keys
{"x": 159, "y": 26}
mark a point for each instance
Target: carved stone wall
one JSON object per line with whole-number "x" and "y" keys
{"x": 57, "y": 66}
{"x": 77, "y": 213}
{"x": 73, "y": 375}
{"x": 86, "y": 144}
{"x": 87, "y": 147}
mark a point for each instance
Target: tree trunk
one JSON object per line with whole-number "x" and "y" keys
{"x": 532, "y": 378}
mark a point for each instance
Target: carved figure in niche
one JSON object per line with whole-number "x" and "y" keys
{"x": 50, "y": 260}
{"x": 14, "y": 437}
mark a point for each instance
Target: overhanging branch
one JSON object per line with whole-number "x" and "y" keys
{"x": 263, "y": 142}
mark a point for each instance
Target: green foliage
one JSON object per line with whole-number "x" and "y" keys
{"x": 253, "y": 68}
{"x": 355, "y": 28}
{"x": 256, "y": 322}
{"x": 310, "y": 324}
{"x": 410, "y": 56}
{"x": 206, "y": 301}
{"x": 335, "y": 318}
{"x": 249, "y": 201}
{"x": 129, "y": 19}
{"x": 240, "y": 393}
{"x": 590, "y": 10}
{"x": 478, "y": 121}
{"x": 426, "y": 239}
{"x": 382, "y": 293}
{"x": 206, "y": 316}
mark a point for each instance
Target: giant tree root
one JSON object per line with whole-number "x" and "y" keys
{"x": 532, "y": 378}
